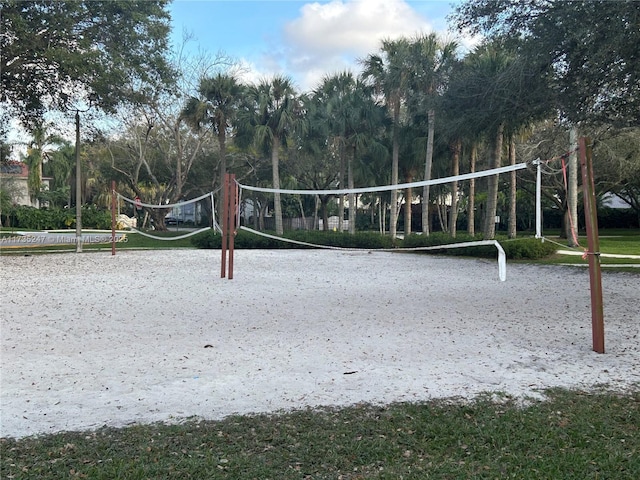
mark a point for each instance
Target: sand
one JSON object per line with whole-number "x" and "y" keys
{"x": 90, "y": 340}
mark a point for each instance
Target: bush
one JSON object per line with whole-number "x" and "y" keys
{"x": 94, "y": 217}
{"x": 248, "y": 240}
{"x": 520, "y": 249}
{"x": 528, "y": 248}
{"x": 31, "y": 218}
{"x": 437, "y": 238}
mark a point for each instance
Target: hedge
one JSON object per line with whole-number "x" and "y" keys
{"x": 527, "y": 248}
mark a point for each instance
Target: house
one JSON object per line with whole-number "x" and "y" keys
{"x": 14, "y": 178}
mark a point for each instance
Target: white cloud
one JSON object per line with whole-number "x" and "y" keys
{"x": 330, "y": 37}
{"x": 355, "y": 26}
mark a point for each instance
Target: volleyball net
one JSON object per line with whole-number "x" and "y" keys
{"x": 186, "y": 218}
{"x": 325, "y": 210}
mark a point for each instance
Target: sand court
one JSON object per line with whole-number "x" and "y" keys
{"x": 91, "y": 340}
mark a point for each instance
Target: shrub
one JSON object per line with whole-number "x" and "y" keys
{"x": 529, "y": 248}
{"x": 31, "y": 218}
{"x": 526, "y": 248}
{"x": 246, "y": 239}
{"x": 436, "y": 238}
{"x": 94, "y": 217}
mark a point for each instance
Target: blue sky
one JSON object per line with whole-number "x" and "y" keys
{"x": 302, "y": 39}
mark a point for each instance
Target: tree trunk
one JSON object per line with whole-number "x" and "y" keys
{"x": 431, "y": 115}
{"x": 513, "y": 189}
{"x": 275, "y": 170}
{"x": 455, "y": 170}
{"x": 304, "y": 217}
{"x": 394, "y": 172}
{"x": 352, "y": 196}
{"x": 256, "y": 213}
{"x": 489, "y": 230}
{"x": 324, "y": 201}
{"x": 341, "y": 197}
{"x": 263, "y": 211}
{"x": 316, "y": 209}
{"x": 408, "y": 196}
{"x": 442, "y": 213}
{"x": 572, "y": 188}
{"x": 223, "y": 165}
{"x": 471, "y": 205}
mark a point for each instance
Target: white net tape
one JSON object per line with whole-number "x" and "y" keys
{"x": 170, "y": 206}
{"x": 502, "y": 264}
{"x": 178, "y": 237}
{"x": 386, "y": 188}
{"x": 502, "y": 258}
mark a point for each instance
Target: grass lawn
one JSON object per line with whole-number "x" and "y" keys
{"x": 616, "y": 242}
{"x": 132, "y": 241}
{"x": 572, "y": 435}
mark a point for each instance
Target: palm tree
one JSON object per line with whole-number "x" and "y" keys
{"x": 350, "y": 113}
{"x": 60, "y": 167}
{"x": 222, "y": 95}
{"x": 272, "y": 115}
{"x": 389, "y": 73}
{"x": 484, "y": 91}
{"x": 38, "y": 152}
{"x": 432, "y": 60}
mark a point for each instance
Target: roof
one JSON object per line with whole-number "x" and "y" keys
{"x": 19, "y": 169}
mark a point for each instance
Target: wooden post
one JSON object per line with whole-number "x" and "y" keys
{"x": 113, "y": 217}
{"x": 233, "y": 207}
{"x": 225, "y": 225}
{"x": 593, "y": 243}
{"x": 229, "y": 207}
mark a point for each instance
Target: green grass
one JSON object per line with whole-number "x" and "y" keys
{"x": 616, "y": 242}
{"x": 132, "y": 241}
{"x": 571, "y": 435}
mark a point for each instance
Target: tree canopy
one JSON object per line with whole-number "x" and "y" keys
{"x": 51, "y": 48}
{"x": 592, "y": 46}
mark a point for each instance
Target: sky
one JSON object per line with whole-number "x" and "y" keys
{"x": 304, "y": 40}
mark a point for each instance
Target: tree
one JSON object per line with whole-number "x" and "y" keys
{"x": 221, "y": 97}
{"x": 432, "y": 60}
{"x": 482, "y": 96}
{"x": 51, "y": 47}
{"x": 154, "y": 156}
{"x": 389, "y": 73}
{"x": 38, "y": 152}
{"x": 591, "y": 45}
{"x": 618, "y": 160}
{"x": 345, "y": 105}
{"x": 271, "y": 116}
{"x": 497, "y": 92}
{"x": 60, "y": 168}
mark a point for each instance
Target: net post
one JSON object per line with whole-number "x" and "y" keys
{"x": 113, "y": 217}
{"x": 233, "y": 206}
{"x": 593, "y": 243}
{"x": 225, "y": 225}
{"x": 538, "y": 165}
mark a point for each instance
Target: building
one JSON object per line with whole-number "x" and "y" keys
{"x": 14, "y": 177}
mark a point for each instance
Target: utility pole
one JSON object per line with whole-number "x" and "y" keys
{"x": 92, "y": 98}
{"x": 78, "y": 187}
